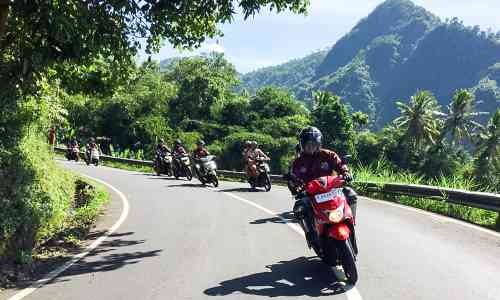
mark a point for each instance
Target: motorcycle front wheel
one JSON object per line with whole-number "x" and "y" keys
{"x": 215, "y": 180}
{"x": 348, "y": 261}
{"x": 189, "y": 174}
{"x": 267, "y": 183}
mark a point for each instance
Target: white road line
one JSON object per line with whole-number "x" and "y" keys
{"x": 351, "y": 294}
{"x": 52, "y": 275}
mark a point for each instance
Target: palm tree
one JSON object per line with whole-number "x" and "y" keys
{"x": 459, "y": 121}
{"x": 360, "y": 120}
{"x": 488, "y": 153}
{"x": 420, "y": 119}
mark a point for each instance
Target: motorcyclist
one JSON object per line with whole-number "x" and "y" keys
{"x": 179, "y": 150}
{"x": 200, "y": 150}
{"x": 312, "y": 163}
{"x": 73, "y": 143}
{"x": 199, "y": 153}
{"x": 162, "y": 148}
{"x": 92, "y": 144}
{"x": 252, "y": 156}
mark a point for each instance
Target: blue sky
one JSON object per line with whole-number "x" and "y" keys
{"x": 269, "y": 39}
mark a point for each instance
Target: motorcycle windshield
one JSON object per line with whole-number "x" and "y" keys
{"x": 324, "y": 184}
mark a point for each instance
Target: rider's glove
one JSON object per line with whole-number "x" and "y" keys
{"x": 348, "y": 177}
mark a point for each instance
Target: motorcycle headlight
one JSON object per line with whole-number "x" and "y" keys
{"x": 211, "y": 165}
{"x": 335, "y": 216}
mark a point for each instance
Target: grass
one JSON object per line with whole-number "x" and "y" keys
{"x": 70, "y": 205}
{"x": 382, "y": 173}
{"x": 128, "y": 167}
{"x": 90, "y": 199}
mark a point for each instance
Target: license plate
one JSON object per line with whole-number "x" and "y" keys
{"x": 328, "y": 196}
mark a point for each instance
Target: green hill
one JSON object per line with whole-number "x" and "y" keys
{"x": 294, "y": 75}
{"x": 396, "y": 50}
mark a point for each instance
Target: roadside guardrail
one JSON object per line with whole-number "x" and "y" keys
{"x": 488, "y": 201}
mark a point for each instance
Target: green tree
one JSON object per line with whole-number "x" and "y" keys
{"x": 487, "y": 161}
{"x": 203, "y": 82}
{"x": 235, "y": 111}
{"x": 360, "y": 120}
{"x": 272, "y": 102}
{"x": 459, "y": 121}
{"x": 332, "y": 118}
{"x": 419, "y": 119}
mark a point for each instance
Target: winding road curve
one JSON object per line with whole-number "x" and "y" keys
{"x": 185, "y": 241}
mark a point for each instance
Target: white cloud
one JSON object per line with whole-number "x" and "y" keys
{"x": 212, "y": 47}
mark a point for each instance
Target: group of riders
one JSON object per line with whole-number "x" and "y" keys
{"x": 311, "y": 162}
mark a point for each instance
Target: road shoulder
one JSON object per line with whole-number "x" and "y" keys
{"x": 110, "y": 214}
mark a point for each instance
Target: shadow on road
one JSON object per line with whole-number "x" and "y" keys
{"x": 153, "y": 176}
{"x": 110, "y": 255}
{"x": 196, "y": 185}
{"x": 242, "y": 189}
{"x": 298, "y": 277}
{"x": 286, "y": 217}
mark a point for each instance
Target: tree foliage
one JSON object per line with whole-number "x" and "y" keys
{"x": 420, "y": 119}
{"x": 331, "y": 116}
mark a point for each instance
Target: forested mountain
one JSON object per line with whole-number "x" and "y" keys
{"x": 398, "y": 49}
{"x": 295, "y": 74}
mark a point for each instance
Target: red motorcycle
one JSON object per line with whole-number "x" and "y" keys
{"x": 333, "y": 224}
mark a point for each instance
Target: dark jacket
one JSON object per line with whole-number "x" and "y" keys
{"x": 323, "y": 163}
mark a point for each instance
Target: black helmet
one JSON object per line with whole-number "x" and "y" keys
{"x": 162, "y": 141}
{"x": 178, "y": 142}
{"x": 310, "y": 136}
{"x": 201, "y": 143}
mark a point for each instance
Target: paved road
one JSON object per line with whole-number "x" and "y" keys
{"x": 185, "y": 241}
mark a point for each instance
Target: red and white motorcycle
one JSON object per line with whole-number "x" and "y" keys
{"x": 333, "y": 224}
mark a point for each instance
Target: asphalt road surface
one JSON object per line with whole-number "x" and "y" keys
{"x": 182, "y": 240}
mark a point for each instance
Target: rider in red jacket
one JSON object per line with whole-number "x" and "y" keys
{"x": 314, "y": 162}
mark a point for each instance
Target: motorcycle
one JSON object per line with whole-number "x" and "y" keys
{"x": 333, "y": 235}
{"x": 92, "y": 156}
{"x": 262, "y": 179}
{"x": 73, "y": 153}
{"x": 163, "y": 164}
{"x": 206, "y": 170}
{"x": 182, "y": 167}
